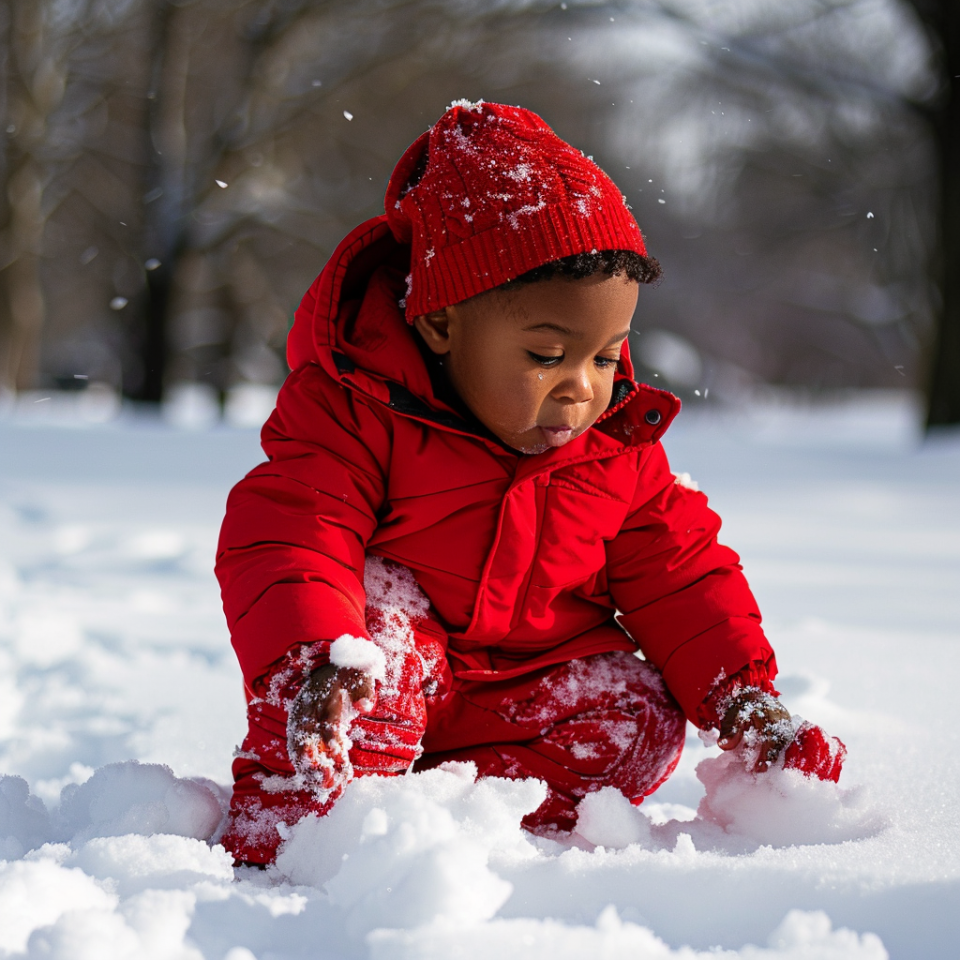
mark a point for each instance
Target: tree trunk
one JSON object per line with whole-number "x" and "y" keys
{"x": 34, "y": 87}
{"x": 943, "y": 406}
{"x": 166, "y": 157}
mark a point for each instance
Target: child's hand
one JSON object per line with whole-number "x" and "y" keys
{"x": 319, "y": 719}
{"x": 759, "y": 720}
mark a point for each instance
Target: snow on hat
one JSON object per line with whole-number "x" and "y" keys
{"x": 490, "y": 192}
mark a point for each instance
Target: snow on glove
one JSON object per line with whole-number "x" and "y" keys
{"x": 758, "y": 723}
{"x": 814, "y": 753}
{"x": 322, "y": 713}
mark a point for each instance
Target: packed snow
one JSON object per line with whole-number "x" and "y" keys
{"x": 121, "y": 705}
{"x": 360, "y": 654}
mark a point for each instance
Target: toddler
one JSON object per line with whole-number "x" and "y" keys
{"x": 466, "y": 528}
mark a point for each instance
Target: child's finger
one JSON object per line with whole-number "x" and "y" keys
{"x": 730, "y": 740}
{"x": 363, "y": 693}
{"x": 767, "y": 755}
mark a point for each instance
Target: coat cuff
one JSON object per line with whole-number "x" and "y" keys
{"x": 700, "y": 665}
{"x": 288, "y": 615}
{"x": 754, "y": 675}
{"x": 286, "y": 675}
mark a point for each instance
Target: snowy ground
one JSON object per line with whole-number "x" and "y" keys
{"x": 112, "y": 648}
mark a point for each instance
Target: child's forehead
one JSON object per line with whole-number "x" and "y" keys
{"x": 558, "y": 305}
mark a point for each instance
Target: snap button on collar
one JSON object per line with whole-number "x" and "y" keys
{"x": 653, "y": 417}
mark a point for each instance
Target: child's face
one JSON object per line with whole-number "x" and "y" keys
{"x": 535, "y": 365}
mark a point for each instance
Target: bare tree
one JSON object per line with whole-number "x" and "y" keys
{"x": 66, "y": 83}
{"x": 942, "y": 18}
{"x": 201, "y": 158}
{"x": 783, "y": 144}
{"x": 33, "y": 87}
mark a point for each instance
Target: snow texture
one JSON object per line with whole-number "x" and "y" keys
{"x": 112, "y": 647}
{"x": 360, "y": 654}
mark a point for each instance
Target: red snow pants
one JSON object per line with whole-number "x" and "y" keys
{"x": 604, "y": 720}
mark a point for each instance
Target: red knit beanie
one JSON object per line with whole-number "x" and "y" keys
{"x": 490, "y": 192}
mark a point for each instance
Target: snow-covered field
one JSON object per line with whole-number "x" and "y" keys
{"x": 113, "y": 650}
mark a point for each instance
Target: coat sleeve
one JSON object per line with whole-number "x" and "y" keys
{"x": 681, "y": 595}
{"x": 292, "y": 546}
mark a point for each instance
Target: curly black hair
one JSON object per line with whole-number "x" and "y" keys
{"x": 614, "y": 263}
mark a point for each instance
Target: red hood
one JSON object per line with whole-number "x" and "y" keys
{"x": 350, "y": 322}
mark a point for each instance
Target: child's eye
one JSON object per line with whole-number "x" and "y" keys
{"x": 544, "y": 361}
{"x": 605, "y": 362}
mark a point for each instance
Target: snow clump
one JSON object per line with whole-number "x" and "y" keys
{"x": 740, "y": 812}
{"x": 359, "y": 654}
{"x": 781, "y": 807}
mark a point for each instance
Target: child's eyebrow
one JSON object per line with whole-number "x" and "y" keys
{"x": 576, "y": 334}
{"x": 558, "y": 328}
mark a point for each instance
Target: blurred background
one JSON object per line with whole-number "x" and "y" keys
{"x": 176, "y": 172}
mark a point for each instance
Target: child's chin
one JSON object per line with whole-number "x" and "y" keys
{"x": 540, "y": 440}
{"x": 531, "y": 450}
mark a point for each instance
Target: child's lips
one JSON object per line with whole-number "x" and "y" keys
{"x": 558, "y": 436}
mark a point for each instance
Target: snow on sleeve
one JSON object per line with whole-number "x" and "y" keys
{"x": 359, "y": 654}
{"x": 394, "y": 601}
{"x": 466, "y": 104}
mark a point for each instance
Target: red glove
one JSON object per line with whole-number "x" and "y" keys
{"x": 746, "y": 701}
{"x": 814, "y": 753}
{"x": 341, "y": 724}
{"x": 320, "y": 718}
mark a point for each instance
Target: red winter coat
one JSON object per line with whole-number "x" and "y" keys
{"x": 528, "y": 560}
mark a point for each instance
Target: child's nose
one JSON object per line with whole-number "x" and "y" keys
{"x": 575, "y": 388}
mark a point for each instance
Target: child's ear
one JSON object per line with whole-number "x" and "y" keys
{"x": 435, "y": 330}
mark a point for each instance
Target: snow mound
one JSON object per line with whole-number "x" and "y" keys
{"x": 134, "y": 863}
{"x": 151, "y": 926}
{"x": 424, "y": 865}
{"x": 24, "y": 821}
{"x": 404, "y": 851}
{"x": 142, "y": 798}
{"x": 36, "y": 895}
{"x": 801, "y": 936}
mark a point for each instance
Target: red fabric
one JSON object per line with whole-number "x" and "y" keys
{"x": 579, "y": 726}
{"x": 605, "y": 720}
{"x": 815, "y": 754}
{"x": 525, "y": 559}
{"x": 489, "y": 192}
